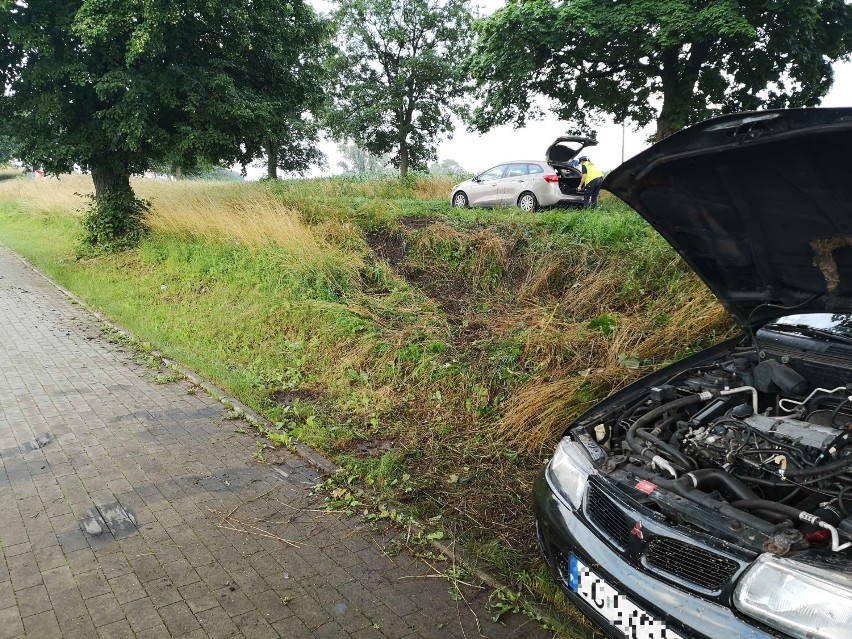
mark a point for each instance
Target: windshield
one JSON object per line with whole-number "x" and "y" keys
{"x": 839, "y": 323}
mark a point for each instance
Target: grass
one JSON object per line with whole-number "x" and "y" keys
{"x": 436, "y": 353}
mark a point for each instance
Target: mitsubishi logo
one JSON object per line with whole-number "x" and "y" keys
{"x": 637, "y": 531}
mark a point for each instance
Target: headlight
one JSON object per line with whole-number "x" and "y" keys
{"x": 569, "y": 470}
{"x": 802, "y": 600}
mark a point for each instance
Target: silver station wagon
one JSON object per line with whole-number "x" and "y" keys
{"x": 528, "y": 184}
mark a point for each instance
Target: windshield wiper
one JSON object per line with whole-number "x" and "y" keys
{"x": 809, "y": 331}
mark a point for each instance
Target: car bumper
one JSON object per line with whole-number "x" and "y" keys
{"x": 562, "y": 533}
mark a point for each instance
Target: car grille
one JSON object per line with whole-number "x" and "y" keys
{"x": 607, "y": 516}
{"x": 690, "y": 563}
{"x": 680, "y": 559}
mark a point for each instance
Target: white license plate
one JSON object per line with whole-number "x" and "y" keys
{"x": 616, "y": 608}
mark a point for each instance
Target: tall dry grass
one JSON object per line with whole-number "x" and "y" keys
{"x": 47, "y": 194}
{"x": 231, "y": 212}
{"x": 245, "y": 214}
{"x": 577, "y": 364}
{"x": 417, "y": 187}
{"x": 250, "y": 216}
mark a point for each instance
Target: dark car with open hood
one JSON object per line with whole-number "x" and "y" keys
{"x": 714, "y": 497}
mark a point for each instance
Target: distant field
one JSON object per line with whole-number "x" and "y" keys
{"x": 436, "y": 353}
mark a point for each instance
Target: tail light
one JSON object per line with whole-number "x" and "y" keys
{"x": 552, "y": 178}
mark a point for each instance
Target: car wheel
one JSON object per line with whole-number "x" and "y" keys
{"x": 460, "y": 200}
{"x": 527, "y": 202}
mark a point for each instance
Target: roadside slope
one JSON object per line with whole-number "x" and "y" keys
{"x": 436, "y": 354}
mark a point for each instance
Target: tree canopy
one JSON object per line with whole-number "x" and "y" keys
{"x": 116, "y": 85}
{"x": 400, "y": 77}
{"x": 693, "y": 58}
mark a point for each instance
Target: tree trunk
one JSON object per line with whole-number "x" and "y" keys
{"x": 271, "y": 161}
{"x": 115, "y": 221}
{"x": 178, "y": 173}
{"x": 109, "y": 181}
{"x": 403, "y": 160}
{"x": 679, "y": 78}
{"x": 668, "y": 76}
{"x": 665, "y": 127}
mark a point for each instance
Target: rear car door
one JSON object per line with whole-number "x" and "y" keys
{"x": 513, "y": 182}
{"x": 486, "y": 189}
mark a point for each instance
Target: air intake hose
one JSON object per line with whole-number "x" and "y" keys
{"x": 648, "y": 418}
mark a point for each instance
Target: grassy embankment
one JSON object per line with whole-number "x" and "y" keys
{"x": 435, "y": 353}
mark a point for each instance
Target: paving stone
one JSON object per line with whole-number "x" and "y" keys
{"x": 43, "y": 626}
{"x": 33, "y": 600}
{"x": 77, "y": 626}
{"x": 217, "y": 623}
{"x": 178, "y": 618}
{"x": 141, "y": 614}
{"x": 127, "y": 588}
{"x": 93, "y": 584}
{"x": 11, "y": 624}
{"x": 117, "y": 630}
{"x": 104, "y": 609}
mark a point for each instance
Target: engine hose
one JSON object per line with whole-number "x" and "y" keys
{"x": 708, "y": 479}
{"x": 794, "y": 489}
{"x": 716, "y": 479}
{"x": 615, "y": 432}
{"x": 789, "y": 512}
{"x": 681, "y": 460}
{"x": 836, "y": 466}
{"x": 683, "y": 488}
{"x": 649, "y": 417}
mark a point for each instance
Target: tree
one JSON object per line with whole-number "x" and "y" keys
{"x": 448, "y": 167}
{"x": 358, "y": 161}
{"x": 292, "y": 146}
{"x": 695, "y": 58}
{"x": 285, "y": 129}
{"x": 400, "y": 79}
{"x": 116, "y": 85}
{"x": 7, "y": 149}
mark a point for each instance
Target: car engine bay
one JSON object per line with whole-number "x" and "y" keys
{"x": 752, "y": 448}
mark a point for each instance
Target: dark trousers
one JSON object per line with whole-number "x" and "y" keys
{"x": 590, "y": 193}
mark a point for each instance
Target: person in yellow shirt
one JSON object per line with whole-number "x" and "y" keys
{"x": 590, "y": 183}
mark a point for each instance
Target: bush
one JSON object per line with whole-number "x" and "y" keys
{"x": 113, "y": 222}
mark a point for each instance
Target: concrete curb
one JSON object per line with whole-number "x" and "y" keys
{"x": 316, "y": 460}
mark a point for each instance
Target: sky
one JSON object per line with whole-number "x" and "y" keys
{"x": 477, "y": 152}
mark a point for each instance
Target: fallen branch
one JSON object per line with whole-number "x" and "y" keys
{"x": 229, "y": 522}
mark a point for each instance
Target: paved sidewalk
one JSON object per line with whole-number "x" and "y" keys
{"x": 114, "y": 491}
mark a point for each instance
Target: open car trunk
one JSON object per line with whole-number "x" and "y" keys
{"x": 560, "y": 155}
{"x": 569, "y": 180}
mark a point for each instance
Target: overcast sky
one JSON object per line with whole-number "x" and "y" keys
{"x": 477, "y": 152}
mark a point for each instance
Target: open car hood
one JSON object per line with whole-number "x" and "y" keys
{"x": 758, "y": 204}
{"x": 565, "y": 148}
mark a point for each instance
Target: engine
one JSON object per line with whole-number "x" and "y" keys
{"x": 753, "y": 441}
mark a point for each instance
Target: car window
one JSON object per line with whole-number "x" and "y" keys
{"x": 840, "y": 323}
{"x": 493, "y": 174}
{"x": 516, "y": 170}
{"x": 534, "y": 168}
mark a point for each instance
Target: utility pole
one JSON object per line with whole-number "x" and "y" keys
{"x": 623, "y": 136}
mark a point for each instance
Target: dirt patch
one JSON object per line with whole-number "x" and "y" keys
{"x": 285, "y": 397}
{"x": 415, "y": 223}
{"x": 375, "y": 447}
{"x": 386, "y": 246}
{"x": 469, "y": 332}
{"x": 448, "y": 292}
